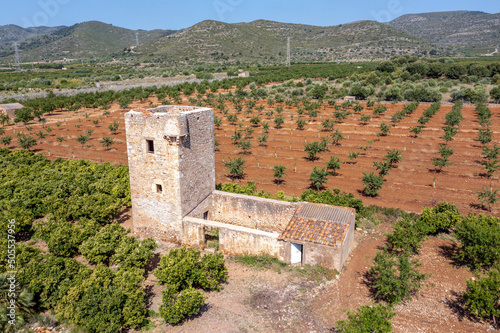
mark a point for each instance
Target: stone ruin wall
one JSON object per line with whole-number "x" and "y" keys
{"x": 246, "y": 211}
{"x": 233, "y": 240}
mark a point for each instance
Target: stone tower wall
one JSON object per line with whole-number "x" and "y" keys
{"x": 182, "y": 164}
{"x": 197, "y": 160}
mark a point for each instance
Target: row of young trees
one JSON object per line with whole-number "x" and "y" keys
{"x": 372, "y": 182}
{"x": 360, "y": 84}
{"x": 435, "y": 68}
{"x": 27, "y": 141}
{"x": 395, "y": 278}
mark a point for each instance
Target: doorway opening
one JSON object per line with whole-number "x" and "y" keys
{"x": 296, "y": 253}
{"x": 212, "y": 239}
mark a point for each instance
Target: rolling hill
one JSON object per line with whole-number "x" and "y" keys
{"x": 266, "y": 40}
{"x": 81, "y": 40}
{"x": 458, "y": 29}
{"x": 12, "y": 33}
{"x": 259, "y": 41}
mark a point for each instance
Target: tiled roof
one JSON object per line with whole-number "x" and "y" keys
{"x": 320, "y": 224}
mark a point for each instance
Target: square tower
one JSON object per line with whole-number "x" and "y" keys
{"x": 171, "y": 165}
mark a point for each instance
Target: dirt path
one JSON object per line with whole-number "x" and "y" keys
{"x": 252, "y": 300}
{"x": 260, "y": 300}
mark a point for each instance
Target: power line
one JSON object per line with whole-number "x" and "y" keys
{"x": 288, "y": 52}
{"x": 18, "y": 58}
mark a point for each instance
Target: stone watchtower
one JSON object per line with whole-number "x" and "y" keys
{"x": 171, "y": 164}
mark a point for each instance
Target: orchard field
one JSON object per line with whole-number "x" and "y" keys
{"x": 288, "y": 137}
{"x": 413, "y": 183}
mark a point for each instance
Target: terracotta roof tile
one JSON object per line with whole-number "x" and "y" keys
{"x": 320, "y": 224}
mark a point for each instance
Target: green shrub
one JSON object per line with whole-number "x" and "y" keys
{"x": 479, "y": 239}
{"x": 131, "y": 253}
{"x": 103, "y": 245}
{"x": 248, "y": 189}
{"x": 393, "y": 93}
{"x": 473, "y": 95}
{"x": 384, "y": 129}
{"x": 454, "y": 117}
{"x": 439, "y": 218}
{"x": 394, "y": 279}
{"x": 383, "y": 167}
{"x": 105, "y": 300}
{"x": 368, "y": 318}
{"x": 185, "y": 268}
{"x": 373, "y": 183}
{"x": 318, "y": 178}
{"x": 394, "y": 157}
{"x": 406, "y": 237}
{"x": 334, "y": 164}
{"x": 23, "y": 305}
{"x": 313, "y": 149}
{"x": 179, "y": 306}
{"x": 482, "y": 297}
{"x": 182, "y": 270}
{"x": 63, "y": 237}
{"x": 334, "y": 197}
{"x": 68, "y": 189}
{"x": 235, "y": 167}
{"x": 495, "y": 94}
{"x": 49, "y": 277}
{"x": 485, "y": 135}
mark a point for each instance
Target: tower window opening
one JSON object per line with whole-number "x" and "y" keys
{"x": 150, "y": 146}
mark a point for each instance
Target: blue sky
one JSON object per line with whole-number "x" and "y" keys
{"x": 173, "y": 14}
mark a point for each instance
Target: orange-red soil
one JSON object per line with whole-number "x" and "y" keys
{"x": 409, "y": 186}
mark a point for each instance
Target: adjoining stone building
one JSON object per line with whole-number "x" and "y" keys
{"x": 172, "y": 179}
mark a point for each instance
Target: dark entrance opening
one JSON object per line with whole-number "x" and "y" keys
{"x": 212, "y": 239}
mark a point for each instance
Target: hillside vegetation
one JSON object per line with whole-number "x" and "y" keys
{"x": 12, "y": 33}
{"x": 81, "y": 40}
{"x": 462, "y": 29}
{"x": 213, "y": 41}
{"x": 260, "y": 41}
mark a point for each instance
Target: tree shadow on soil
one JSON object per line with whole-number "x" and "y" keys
{"x": 449, "y": 252}
{"x": 363, "y": 193}
{"x": 149, "y": 295}
{"x": 153, "y": 262}
{"x": 279, "y": 182}
{"x": 204, "y": 308}
{"x": 457, "y": 306}
{"x": 479, "y": 207}
{"x": 123, "y": 216}
{"x": 367, "y": 280}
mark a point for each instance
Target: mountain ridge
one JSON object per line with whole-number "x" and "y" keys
{"x": 261, "y": 41}
{"x": 82, "y": 40}
{"x": 215, "y": 40}
{"x": 11, "y": 33}
{"x": 459, "y": 29}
